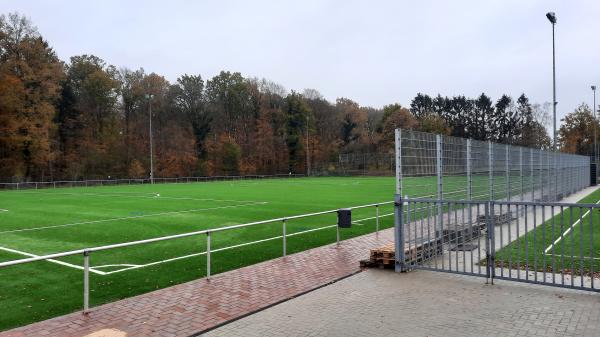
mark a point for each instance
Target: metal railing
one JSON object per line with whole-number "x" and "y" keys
{"x": 538, "y": 242}
{"x": 132, "y": 181}
{"x": 86, "y": 252}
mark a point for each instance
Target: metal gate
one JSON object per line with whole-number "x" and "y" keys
{"x": 534, "y": 242}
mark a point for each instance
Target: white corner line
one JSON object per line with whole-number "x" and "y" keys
{"x": 51, "y": 260}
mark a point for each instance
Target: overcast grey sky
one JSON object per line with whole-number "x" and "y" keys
{"x": 374, "y": 52}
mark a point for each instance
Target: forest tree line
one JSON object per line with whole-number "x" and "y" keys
{"x": 86, "y": 119}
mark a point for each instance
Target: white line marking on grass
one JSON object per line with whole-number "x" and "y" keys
{"x": 115, "y": 265}
{"x": 149, "y": 195}
{"x": 567, "y": 231}
{"x": 51, "y": 260}
{"x": 215, "y": 250}
{"x": 3, "y": 210}
{"x": 357, "y": 222}
{"x": 131, "y": 217}
{"x": 574, "y": 256}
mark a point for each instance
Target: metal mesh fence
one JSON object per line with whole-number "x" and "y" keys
{"x": 444, "y": 167}
{"x": 110, "y": 182}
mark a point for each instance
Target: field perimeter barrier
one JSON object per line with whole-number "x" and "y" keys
{"x": 86, "y": 252}
{"x": 465, "y": 169}
{"x": 131, "y": 181}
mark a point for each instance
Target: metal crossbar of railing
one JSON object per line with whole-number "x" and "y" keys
{"x": 86, "y": 252}
{"x": 132, "y": 181}
{"x": 537, "y": 242}
{"x": 459, "y": 168}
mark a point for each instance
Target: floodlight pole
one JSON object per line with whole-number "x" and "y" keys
{"x": 307, "y": 150}
{"x": 149, "y": 97}
{"x": 552, "y": 18}
{"x": 595, "y": 121}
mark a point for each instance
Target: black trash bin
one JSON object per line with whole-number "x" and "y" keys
{"x": 344, "y": 218}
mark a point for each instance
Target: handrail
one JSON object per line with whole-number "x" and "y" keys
{"x": 176, "y": 236}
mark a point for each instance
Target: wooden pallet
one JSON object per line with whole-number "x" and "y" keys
{"x": 385, "y": 257}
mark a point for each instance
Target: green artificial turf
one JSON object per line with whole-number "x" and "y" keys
{"x": 48, "y": 221}
{"x": 583, "y": 240}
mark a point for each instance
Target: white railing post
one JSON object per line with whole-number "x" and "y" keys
{"x": 208, "y": 255}
{"x": 86, "y": 281}
{"x": 284, "y": 238}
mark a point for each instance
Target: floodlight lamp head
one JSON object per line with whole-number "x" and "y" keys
{"x": 593, "y": 87}
{"x": 551, "y": 17}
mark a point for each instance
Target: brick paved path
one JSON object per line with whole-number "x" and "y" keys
{"x": 422, "y": 303}
{"x": 195, "y": 306}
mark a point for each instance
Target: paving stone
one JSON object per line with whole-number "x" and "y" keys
{"x": 421, "y": 303}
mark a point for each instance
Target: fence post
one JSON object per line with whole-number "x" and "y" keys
{"x": 440, "y": 182}
{"x": 86, "y": 281}
{"x": 521, "y": 173}
{"x": 507, "y": 172}
{"x": 554, "y": 157}
{"x": 469, "y": 173}
{"x": 490, "y": 244}
{"x": 541, "y": 168}
{"x": 398, "y": 143}
{"x": 548, "y": 168}
{"x": 208, "y": 255}
{"x": 531, "y": 175}
{"x": 284, "y": 238}
{"x": 491, "y": 170}
{"x": 399, "y": 233}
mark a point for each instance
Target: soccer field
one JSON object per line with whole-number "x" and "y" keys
{"x": 568, "y": 243}
{"x": 44, "y": 221}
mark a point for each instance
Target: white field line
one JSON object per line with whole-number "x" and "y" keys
{"x": 149, "y": 195}
{"x": 567, "y": 231}
{"x": 116, "y": 265}
{"x": 213, "y": 250}
{"x": 51, "y": 260}
{"x": 358, "y": 222}
{"x": 130, "y": 217}
{"x": 574, "y": 256}
{"x": 3, "y": 210}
